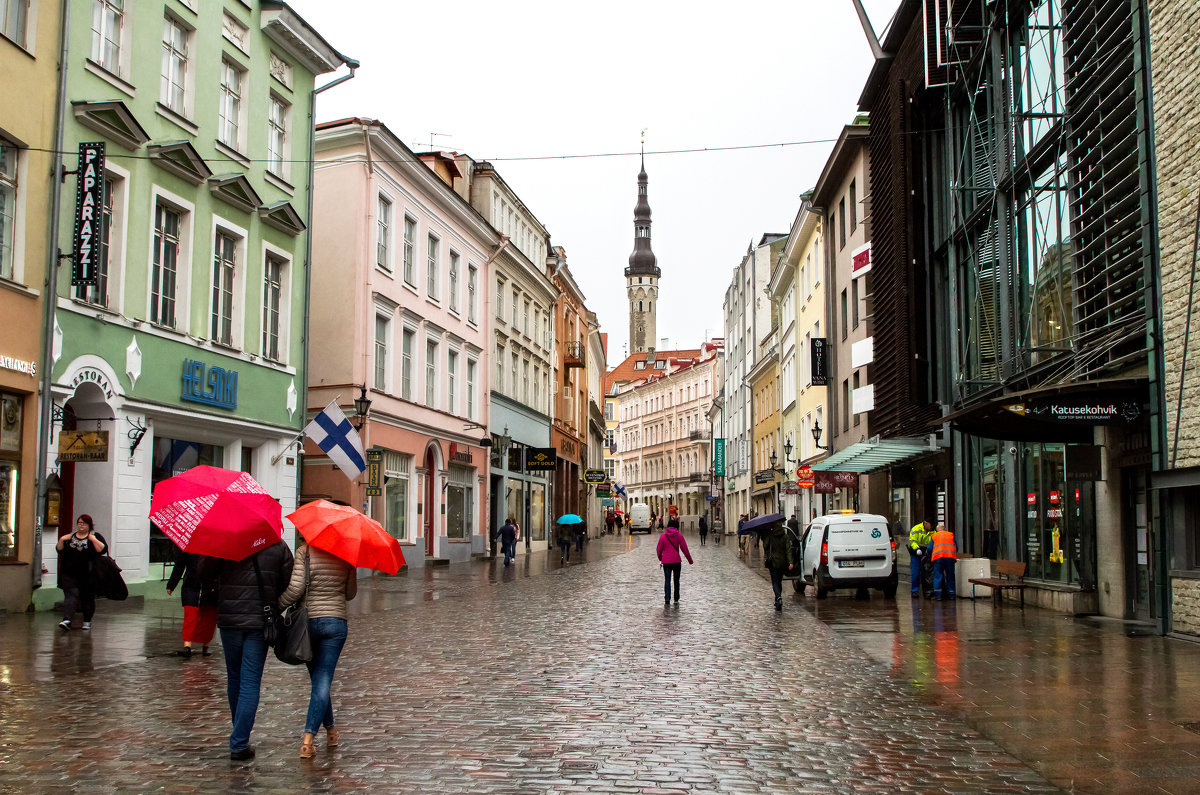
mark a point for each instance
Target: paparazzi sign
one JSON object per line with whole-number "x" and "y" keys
{"x": 89, "y": 211}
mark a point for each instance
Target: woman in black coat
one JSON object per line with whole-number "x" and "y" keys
{"x": 199, "y": 603}
{"x": 76, "y": 553}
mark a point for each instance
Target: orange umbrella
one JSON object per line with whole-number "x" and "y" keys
{"x": 345, "y": 533}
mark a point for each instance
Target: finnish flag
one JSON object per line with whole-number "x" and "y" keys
{"x": 334, "y": 434}
{"x": 620, "y": 489}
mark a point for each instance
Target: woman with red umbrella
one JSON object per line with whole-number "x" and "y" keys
{"x": 325, "y": 583}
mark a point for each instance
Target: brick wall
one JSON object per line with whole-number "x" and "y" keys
{"x": 1175, "y": 52}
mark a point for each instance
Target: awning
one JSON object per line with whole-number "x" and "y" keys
{"x": 870, "y": 456}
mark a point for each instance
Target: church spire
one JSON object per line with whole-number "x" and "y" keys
{"x": 641, "y": 277}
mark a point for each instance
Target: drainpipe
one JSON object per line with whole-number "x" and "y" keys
{"x": 308, "y": 244}
{"x": 49, "y": 299}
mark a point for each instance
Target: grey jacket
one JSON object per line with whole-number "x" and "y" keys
{"x": 333, "y": 582}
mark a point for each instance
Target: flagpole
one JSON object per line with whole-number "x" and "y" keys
{"x": 298, "y": 437}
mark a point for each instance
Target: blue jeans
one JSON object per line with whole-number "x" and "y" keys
{"x": 245, "y": 656}
{"x": 671, "y": 571}
{"x": 509, "y": 548}
{"x": 914, "y": 568}
{"x": 328, "y": 636}
{"x": 943, "y": 574}
{"x": 579, "y": 542}
{"x": 564, "y": 549}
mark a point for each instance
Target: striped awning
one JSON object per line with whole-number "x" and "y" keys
{"x": 877, "y": 454}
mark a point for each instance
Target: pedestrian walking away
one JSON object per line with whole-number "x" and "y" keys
{"x": 562, "y": 535}
{"x": 945, "y": 555}
{"x": 244, "y": 589}
{"x": 508, "y": 535}
{"x": 580, "y": 535}
{"x": 703, "y": 529}
{"x": 325, "y": 583}
{"x": 777, "y": 554}
{"x": 671, "y": 545}
{"x": 199, "y": 604}
{"x": 919, "y": 539}
{"x": 77, "y": 553}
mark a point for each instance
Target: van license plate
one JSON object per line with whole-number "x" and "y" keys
{"x": 850, "y": 564}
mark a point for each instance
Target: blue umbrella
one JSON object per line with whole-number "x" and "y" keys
{"x": 569, "y": 518}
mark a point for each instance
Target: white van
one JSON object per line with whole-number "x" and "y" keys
{"x": 639, "y": 518}
{"x": 848, "y": 550}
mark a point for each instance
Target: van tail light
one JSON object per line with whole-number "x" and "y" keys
{"x": 893, "y": 550}
{"x": 825, "y": 554}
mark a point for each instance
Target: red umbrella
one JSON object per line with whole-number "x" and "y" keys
{"x": 218, "y": 512}
{"x": 344, "y": 532}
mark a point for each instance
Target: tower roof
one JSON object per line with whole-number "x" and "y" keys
{"x": 642, "y": 261}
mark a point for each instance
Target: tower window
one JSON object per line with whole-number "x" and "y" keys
{"x": 639, "y": 306}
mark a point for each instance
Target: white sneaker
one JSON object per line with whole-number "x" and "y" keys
{"x": 65, "y": 625}
{"x": 87, "y": 624}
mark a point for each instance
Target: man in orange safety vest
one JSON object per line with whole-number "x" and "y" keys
{"x": 944, "y": 554}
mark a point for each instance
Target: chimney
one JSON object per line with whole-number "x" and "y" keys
{"x": 666, "y": 344}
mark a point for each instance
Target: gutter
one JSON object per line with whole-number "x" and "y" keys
{"x": 49, "y": 299}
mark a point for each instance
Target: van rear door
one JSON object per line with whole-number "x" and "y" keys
{"x": 859, "y": 548}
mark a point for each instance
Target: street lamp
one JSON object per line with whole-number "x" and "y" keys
{"x": 816, "y": 432}
{"x": 362, "y": 407}
{"x": 787, "y": 450}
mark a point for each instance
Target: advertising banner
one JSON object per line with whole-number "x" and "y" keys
{"x": 719, "y": 457}
{"x": 820, "y": 361}
{"x": 89, "y": 212}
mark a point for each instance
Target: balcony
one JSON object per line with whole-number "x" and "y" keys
{"x": 698, "y": 435}
{"x": 698, "y": 477}
{"x": 573, "y": 355}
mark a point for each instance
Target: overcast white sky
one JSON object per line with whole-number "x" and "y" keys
{"x": 536, "y": 78}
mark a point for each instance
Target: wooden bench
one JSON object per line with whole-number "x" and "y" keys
{"x": 1012, "y": 576}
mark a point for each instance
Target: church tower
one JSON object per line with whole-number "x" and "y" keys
{"x": 641, "y": 277}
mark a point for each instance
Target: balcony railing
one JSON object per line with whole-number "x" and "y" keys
{"x": 574, "y": 354}
{"x": 699, "y": 477}
{"x": 698, "y": 435}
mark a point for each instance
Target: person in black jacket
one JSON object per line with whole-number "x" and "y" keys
{"x": 76, "y": 554}
{"x": 199, "y": 604}
{"x": 244, "y": 587}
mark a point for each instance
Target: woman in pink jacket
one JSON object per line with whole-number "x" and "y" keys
{"x": 670, "y": 545}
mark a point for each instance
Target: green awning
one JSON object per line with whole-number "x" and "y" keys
{"x": 877, "y": 454}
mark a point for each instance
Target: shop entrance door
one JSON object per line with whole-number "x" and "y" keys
{"x": 430, "y": 506}
{"x": 1139, "y": 573}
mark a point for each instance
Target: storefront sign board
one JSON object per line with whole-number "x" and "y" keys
{"x": 216, "y": 388}
{"x": 89, "y": 211}
{"x": 83, "y": 446}
{"x": 541, "y": 459}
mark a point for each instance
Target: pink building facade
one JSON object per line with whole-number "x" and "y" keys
{"x": 399, "y": 308}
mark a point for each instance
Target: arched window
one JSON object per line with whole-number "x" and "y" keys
{"x": 639, "y": 306}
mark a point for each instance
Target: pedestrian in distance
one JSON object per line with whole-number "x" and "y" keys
{"x": 945, "y": 555}
{"x": 919, "y": 539}
{"x": 580, "y": 535}
{"x": 325, "y": 583}
{"x": 508, "y": 535}
{"x": 703, "y": 529}
{"x": 244, "y": 589}
{"x": 743, "y": 539}
{"x": 77, "y": 553}
{"x": 562, "y": 535}
{"x": 671, "y": 546}
{"x": 199, "y": 604}
{"x": 777, "y": 556}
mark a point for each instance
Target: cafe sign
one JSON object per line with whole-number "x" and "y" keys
{"x": 83, "y": 446}
{"x": 594, "y": 476}
{"x": 1081, "y": 411}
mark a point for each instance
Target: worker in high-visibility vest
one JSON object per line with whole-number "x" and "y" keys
{"x": 919, "y": 539}
{"x": 944, "y": 553}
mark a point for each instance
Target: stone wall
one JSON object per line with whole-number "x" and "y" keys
{"x": 1185, "y": 606}
{"x": 1175, "y": 52}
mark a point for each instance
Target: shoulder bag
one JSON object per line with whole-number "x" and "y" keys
{"x": 294, "y": 646}
{"x": 106, "y": 576}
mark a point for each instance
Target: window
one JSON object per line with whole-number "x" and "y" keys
{"x": 608, "y": 410}
{"x": 853, "y": 205}
{"x": 472, "y": 293}
{"x": 610, "y": 468}
{"x": 97, "y": 294}
{"x": 431, "y": 267}
{"x": 452, "y": 382}
{"x": 431, "y": 352}
{"x": 854, "y": 300}
{"x": 166, "y": 265}
{"x": 383, "y": 233}
{"x": 13, "y": 19}
{"x": 515, "y": 383}
{"x": 8, "y": 207}
{"x": 546, "y": 331}
{"x": 454, "y": 258}
{"x": 224, "y": 266}
{"x": 174, "y": 65}
{"x": 845, "y": 316}
{"x": 410, "y": 247}
{"x": 515, "y": 297}
{"x": 845, "y": 404}
{"x": 383, "y": 331}
{"x": 272, "y": 293}
{"x": 230, "y": 108}
{"x": 500, "y": 299}
{"x": 471, "y": 389}
{"x": 525, "y": 319}
{"x": 842, "y": 221}
{"x": 396, "y": 468}
{"x": 525, "y": 381}
{"x": 406, "y": 364}
{"x": 857, "y": 384}
{"x": 498, "y": 383}
{"x": 460, "y": 501}
{"x": 107, "y": 19}
{"x": 277, "y": 118}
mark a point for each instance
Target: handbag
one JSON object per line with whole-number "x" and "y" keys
{"x": 106, "y": 577}
{"x": 293, "y": 645}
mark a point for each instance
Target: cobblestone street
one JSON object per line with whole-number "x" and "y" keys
{"x": 577, "y": 680}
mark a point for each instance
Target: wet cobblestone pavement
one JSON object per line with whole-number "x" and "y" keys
{"x": 541, "y": 678}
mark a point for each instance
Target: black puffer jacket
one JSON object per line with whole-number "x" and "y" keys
{"x": 239, "y": 599}
{"x": 193, "y": 593}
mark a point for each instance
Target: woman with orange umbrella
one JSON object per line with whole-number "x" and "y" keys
{"x": 339, "y": 540}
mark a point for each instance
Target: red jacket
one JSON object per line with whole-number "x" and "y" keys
{"x": 670, "y": 544}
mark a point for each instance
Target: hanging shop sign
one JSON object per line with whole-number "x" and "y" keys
{"x": 792, "y": 488}
{"x": 804, "y": 473}
{"x": 860, "y": 261}
{"x": 541, "y": 459}
{"x": 829, "y": 482}
{"x": 819, "y": 353}
{"x": 1083, "y": 462}
{"x": 719, "y": 456}
{"x": 81, "y": 446}
{"x": 374, "y": 472}
{"x": 460, "y": 455}
{"x": 1079, "y": 411}
{"x": 594, "y": 476}
{"x": 764, "y": 476}
{"x": 214, "y": 387}
{"x": 89, "y": 209}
